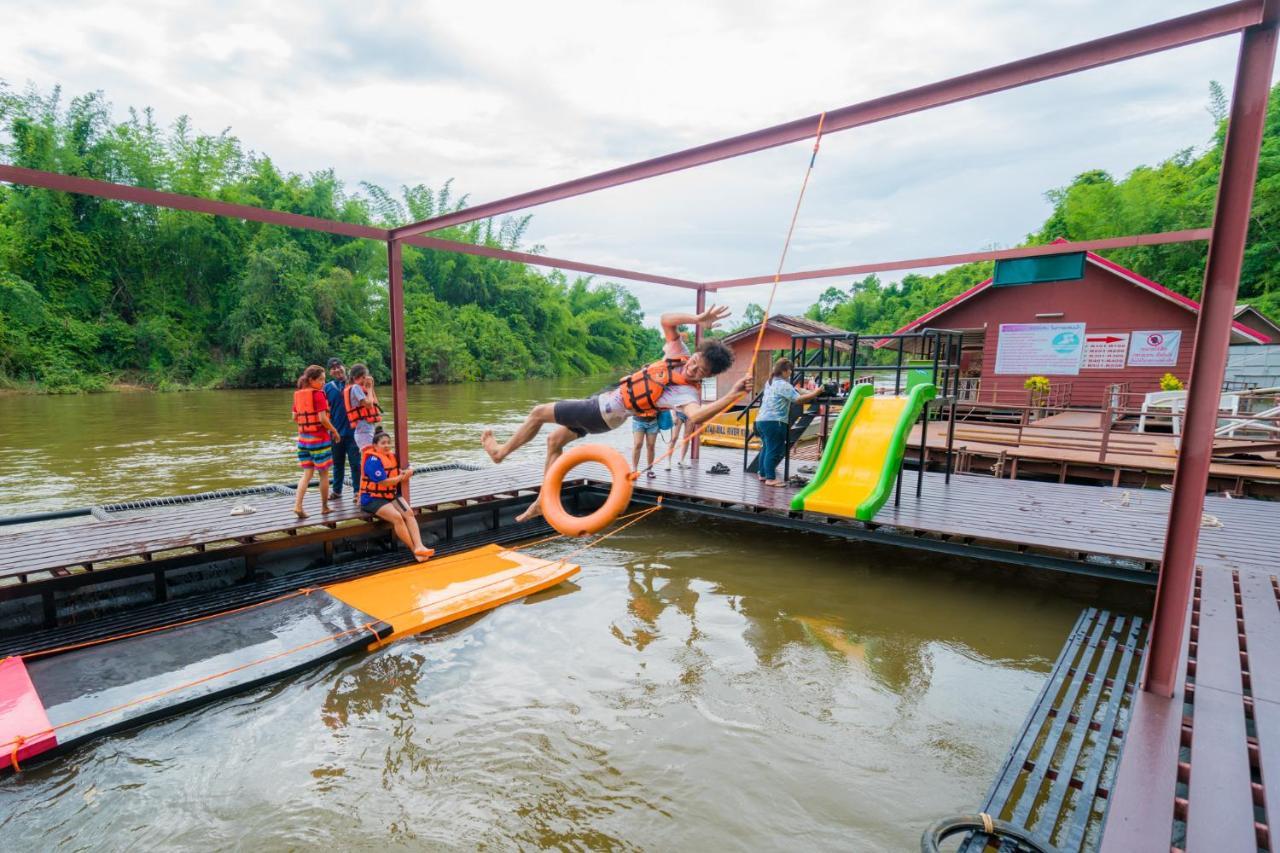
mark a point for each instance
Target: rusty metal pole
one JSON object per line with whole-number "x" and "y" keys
{"x": 399, "y": 381}
{"x": 700, "y": 305}
{"x": 1209, "y": 357}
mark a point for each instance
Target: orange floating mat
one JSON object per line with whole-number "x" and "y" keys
{"x": 427, "y": 595}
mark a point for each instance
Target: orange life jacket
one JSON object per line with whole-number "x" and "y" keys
{"x": 642, "y": 389}
{"x": 305, "y": 414}
{"x": 384, "y": 490}
{"x": 369, "y": 410}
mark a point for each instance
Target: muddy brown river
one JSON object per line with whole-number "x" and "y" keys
{"x": 700, "y": 685}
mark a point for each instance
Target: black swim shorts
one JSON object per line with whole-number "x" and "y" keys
{"x": 581, "y": 416}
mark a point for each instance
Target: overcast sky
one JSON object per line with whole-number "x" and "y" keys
{"x": 509, "y": 96}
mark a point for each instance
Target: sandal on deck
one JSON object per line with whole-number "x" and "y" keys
{"x": 718, "y": 468}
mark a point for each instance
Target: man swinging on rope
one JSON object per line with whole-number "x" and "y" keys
{"x": 671, "y": 383}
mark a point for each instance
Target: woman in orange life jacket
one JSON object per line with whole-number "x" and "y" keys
{"x": 380, "y": 493}
{"x": 656, "y": 386}
{"x": 316, "y": 435}
{"x": 363, "y": 411}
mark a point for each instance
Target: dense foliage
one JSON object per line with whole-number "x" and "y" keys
{"x": 1178, "y": 193}
{"x": 94, "y": 291}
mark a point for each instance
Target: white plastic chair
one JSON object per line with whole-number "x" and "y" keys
{"x": 1156, "y": 403}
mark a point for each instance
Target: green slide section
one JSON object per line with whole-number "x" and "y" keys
{"x": 862, "y": 457}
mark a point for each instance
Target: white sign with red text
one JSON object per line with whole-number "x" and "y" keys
{"x": 1154, "y": 349}
{"x": 1105, "y": 350}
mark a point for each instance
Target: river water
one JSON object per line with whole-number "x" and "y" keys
{"x": 701, "y": 684}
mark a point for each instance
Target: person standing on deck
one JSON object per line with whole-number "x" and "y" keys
{"x": 685, "y": 397}
{"x": 643, "y": 393}
{"x": 774, "y": 419}
{"x": 363, "y": 411}
{"x": 644, "y": 432}
{"x": 316, "y": 435}
{"x": 345, "y": 452}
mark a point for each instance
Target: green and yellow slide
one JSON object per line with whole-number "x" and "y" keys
{"x": 861, "y": 461}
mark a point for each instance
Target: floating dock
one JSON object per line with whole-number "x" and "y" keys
{"x": 1172, "y": 771}
{"x": 53, "y": 699}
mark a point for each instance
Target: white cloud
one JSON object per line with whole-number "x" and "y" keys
{"x": 508, "y": 96}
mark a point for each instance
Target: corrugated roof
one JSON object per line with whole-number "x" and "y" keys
{"x": 789, "y": 325}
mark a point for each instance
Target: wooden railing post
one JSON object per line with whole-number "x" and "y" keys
{"x": 1106, "y": 432}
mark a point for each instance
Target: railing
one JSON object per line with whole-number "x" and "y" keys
{"x": 972, "y": 389}
{"x": 1246, "y": 439}
{"x": 837, "y": 362}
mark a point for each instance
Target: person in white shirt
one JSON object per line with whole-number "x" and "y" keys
{"x": 671, "y": 383}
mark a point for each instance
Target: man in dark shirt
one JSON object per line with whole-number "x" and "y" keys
{"x": 345, "y": 450}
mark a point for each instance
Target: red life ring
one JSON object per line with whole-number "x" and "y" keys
{"x": 619, "y": 493}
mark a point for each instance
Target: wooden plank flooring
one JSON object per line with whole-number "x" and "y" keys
{"x": 1201, "y": 772}
{"x": 195, "y": 525}
{"x": 1095, "y": 520}
{"x": 1088, "y": 520}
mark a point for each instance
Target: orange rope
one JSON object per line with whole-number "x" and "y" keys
{"x": 634, "y": 518}
{"x": 53, "y": 650}
{"x": 306, "y": 590}
{"x": 368, "y": 626}
{"x": 777, "y": 279}
{"x": 21, "y": 739}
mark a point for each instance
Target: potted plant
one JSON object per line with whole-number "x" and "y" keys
{"x": 1037, "y": 391}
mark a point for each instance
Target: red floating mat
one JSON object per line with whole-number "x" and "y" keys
{"x": 24, "y": 725}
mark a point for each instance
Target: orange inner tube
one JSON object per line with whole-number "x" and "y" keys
{"x": 619, "y": 494}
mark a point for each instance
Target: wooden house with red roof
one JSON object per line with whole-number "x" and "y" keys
{"x": 1086, "y": 323}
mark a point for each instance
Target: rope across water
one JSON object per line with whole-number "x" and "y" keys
{"x": 14, "y": 745}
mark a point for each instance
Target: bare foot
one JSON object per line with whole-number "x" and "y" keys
{"x": 774, "y": 483}
{"x": 324, "y": 509}
{"x": 423, "y": 554}
{"x": 491, "y": 445}
{"x": 298, "y": 511}
{"x": 534, "y": 510}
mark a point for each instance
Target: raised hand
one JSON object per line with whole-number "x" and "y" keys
{"x": 710, "y": 318}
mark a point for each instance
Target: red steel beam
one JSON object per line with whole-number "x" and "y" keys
{"x": 425, "y": 242}
{"x": 699, "y": 305}
{"x": 1175, "y": 32}
{"x": 1209, "y": 357}
{"x": 399, "y": 377}
{"x": 177, "y": 201}
{"x": 1188, "y": 236}
{"x": 158, "y": 198}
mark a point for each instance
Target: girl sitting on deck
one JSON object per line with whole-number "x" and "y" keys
{"x": 316, "y": 435}
{"x": 774, "y": 419}
{"x": 380, "y": 493}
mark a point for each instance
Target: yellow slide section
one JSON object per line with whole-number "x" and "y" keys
{"x": 860, "y": 461}
{"x": 423, "y": 596}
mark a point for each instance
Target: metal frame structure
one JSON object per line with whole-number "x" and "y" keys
{"x": 1256, "y": 20}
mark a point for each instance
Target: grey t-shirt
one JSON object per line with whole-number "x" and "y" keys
{"x": 363, "y": 431}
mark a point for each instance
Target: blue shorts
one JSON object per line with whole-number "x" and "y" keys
{"x": 648, "y": 426}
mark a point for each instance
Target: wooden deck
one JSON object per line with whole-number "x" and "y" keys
{"x": 1189, "y": 766}
{"x": 1201, "y": 771}
{"x": 1066, "y": 447}
{"x": 154, "y": 532}
{"x": 1084, "y": 521}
